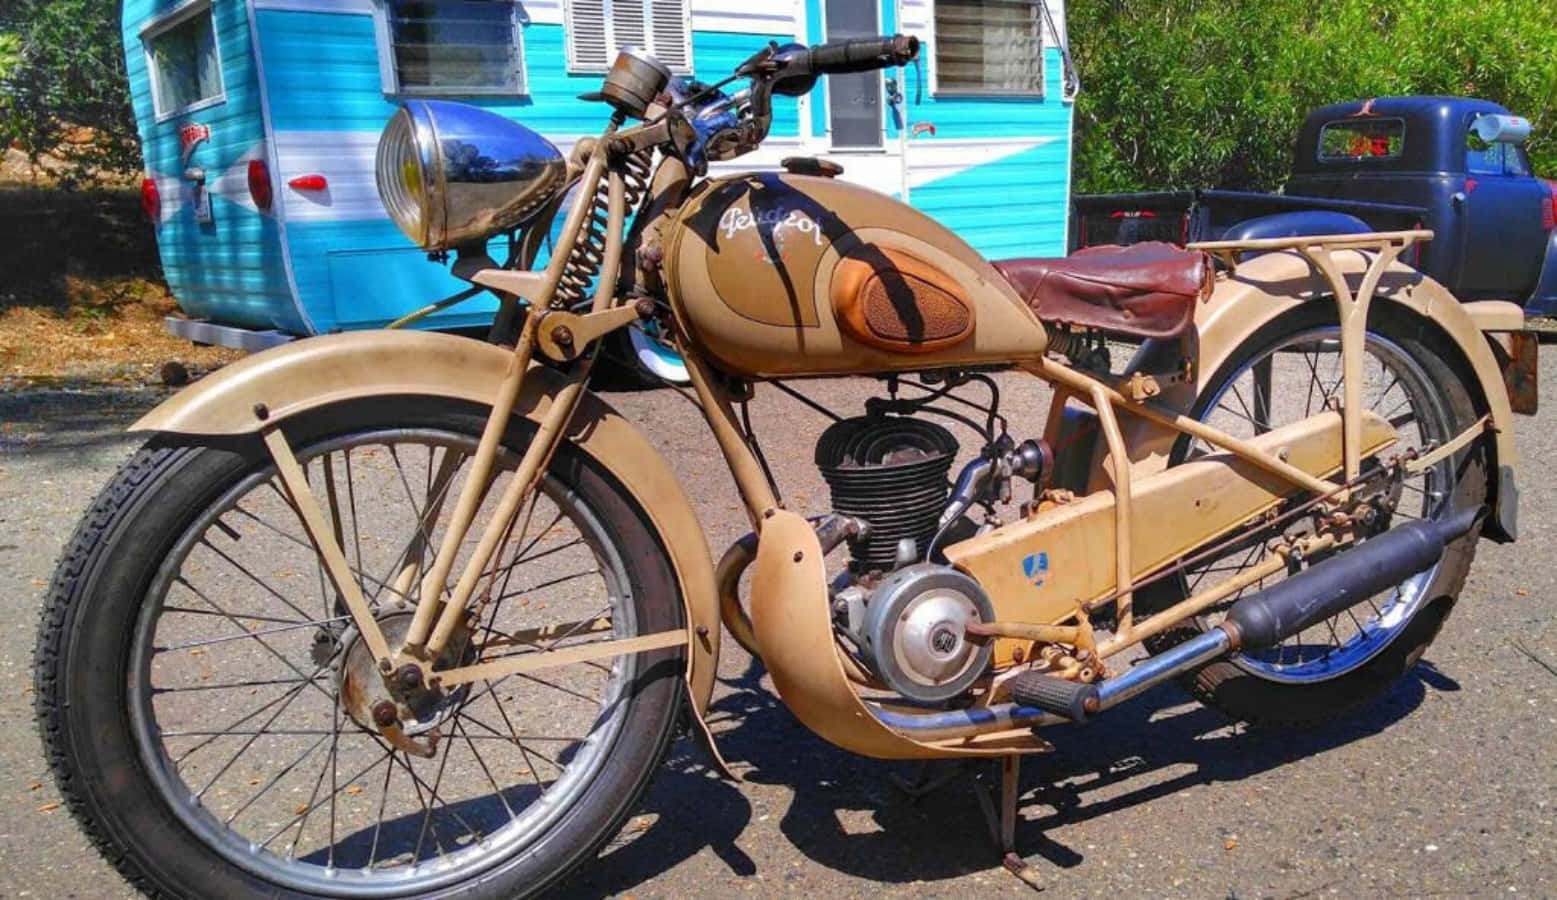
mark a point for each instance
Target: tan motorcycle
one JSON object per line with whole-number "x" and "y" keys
{"x": 395, "y": 613}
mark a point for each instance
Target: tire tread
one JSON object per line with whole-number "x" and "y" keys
{"x": 59, "y": 602}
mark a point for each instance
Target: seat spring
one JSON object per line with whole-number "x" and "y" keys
{"x": 1071, "y": 344}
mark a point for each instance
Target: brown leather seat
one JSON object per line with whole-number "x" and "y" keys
{"x": 1143, "y": 290}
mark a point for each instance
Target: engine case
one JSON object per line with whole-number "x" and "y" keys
{"x": 780, "y": 274}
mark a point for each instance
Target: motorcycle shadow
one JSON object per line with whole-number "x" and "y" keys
{"x": 851, "y": 814}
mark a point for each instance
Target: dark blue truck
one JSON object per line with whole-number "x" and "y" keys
{"x": 1451, "y": 164}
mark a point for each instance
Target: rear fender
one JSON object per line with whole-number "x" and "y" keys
{"x": 317, "y": 372}
{"x": 1275, "y": 283}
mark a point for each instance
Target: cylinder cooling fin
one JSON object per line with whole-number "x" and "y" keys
{"x": 889, "y": 471}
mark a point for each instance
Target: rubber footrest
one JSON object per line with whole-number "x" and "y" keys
{"x": 1072, "y": 699}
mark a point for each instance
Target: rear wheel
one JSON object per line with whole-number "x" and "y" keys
{"x": 193, "y": 664}
{"x": 1287, "y": 371}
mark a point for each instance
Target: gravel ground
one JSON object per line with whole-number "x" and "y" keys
{"x": 1447, "y": 787}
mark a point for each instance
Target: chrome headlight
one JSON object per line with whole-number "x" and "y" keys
{"x": 449, "y": 173}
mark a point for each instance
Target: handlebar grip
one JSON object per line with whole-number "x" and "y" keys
{"x": 863, "y": 54}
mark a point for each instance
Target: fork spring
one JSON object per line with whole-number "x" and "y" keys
{"x": 589, "y": 250}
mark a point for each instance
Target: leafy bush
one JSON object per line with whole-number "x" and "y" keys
{"x": 1177, "y": 93}
{"x": 1211, "y": 92}
{"x": 62, "y": 71}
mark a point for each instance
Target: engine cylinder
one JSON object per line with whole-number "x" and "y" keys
{"x": 891, "y": 472}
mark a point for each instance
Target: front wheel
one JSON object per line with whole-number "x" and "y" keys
{"x": 1287, "y": 371}
{"x": 193, "y": 658}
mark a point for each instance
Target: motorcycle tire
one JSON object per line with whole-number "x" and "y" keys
{"x": 1273, "y": 691}
{"x": 161, "y": 835}
{"x": 633, "y": 360}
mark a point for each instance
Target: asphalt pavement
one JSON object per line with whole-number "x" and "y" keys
{"x": 1448, "y": 787}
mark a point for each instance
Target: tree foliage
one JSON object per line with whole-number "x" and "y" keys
{"x": 62, "y": 74}
{"x": 1176, "y": 93}
{"x": 1203, "y": 93}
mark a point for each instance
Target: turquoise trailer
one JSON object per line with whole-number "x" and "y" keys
{"x": 259, "y": 121}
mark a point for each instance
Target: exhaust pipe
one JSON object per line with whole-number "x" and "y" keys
{"x": 1345, "y": 580}
{"x": 1256, "y": 622}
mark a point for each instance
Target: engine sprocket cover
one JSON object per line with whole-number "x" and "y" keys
{"x": 915, "y": 632}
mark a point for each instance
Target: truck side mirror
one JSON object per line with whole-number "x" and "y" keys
{"x": 1500, "y": 129}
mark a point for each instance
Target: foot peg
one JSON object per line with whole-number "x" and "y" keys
{"x": 1074, "y": 700}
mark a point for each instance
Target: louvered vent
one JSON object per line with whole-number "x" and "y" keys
{"x": 598, "y": 29}
{"x": 672, "y": 33}
{"x": 989, "y": 46}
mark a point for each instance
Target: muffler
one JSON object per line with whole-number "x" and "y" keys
{"x": 1344, "y": 580}
{"x": 1256, "y": 622}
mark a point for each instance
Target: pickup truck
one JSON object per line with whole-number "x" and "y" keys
{"x": 1451, "y": 164}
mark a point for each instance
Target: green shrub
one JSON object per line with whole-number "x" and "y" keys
{"x": 1211, "y": 92}
{"x": 62, "y": 67}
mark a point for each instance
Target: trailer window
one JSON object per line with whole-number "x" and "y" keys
{"x": 989, "y": 47}
{"x": 456, "y": 47}
{"x": 1355, "y": 140}
{"x": 598, "y": 29}
{"x": 186, "y": 69}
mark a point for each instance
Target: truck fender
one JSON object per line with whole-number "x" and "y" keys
{"x": 1274, "y": 283}
{"x": 1294, "y": 223}
{"x": 317, "y": 372}
{"x": 1543, "y": 301}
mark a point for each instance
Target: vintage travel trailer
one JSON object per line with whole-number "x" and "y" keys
{"x": 259, "y": 121}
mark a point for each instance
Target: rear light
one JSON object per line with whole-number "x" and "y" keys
{"x": 151, "y": 199}
{"x": 308, "y": 183}
{"x": 1549, "y": 207}
{"x": 259, "y": 184}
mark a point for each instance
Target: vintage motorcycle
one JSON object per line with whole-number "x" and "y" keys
{"x": 390, "y": 614}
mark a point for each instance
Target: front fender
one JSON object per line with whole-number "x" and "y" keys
{"x": 1275, "y": 283}
{"x": 321, "y": 371}
{"x": 1543, "y": 300}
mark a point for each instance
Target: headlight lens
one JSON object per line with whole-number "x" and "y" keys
{"x": 450, "y": 174}
{"x": 400, "y": 180}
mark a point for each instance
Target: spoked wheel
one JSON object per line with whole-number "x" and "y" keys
{"x": 199, "y": 679}
{"x": 1288, "y": 371}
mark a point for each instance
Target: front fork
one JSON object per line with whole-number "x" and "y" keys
{"x": 440, "y": 610}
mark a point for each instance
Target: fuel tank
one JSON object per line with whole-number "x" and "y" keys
{"x": 782, "y": 274}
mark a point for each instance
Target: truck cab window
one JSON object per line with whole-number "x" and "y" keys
{"x": 186, "y": 69}
{"x": 1516, "y": 163}
{"x": 1495, "y": 158}
{"x": 1357, "y": 140}
{"x": 456, "y": 47}
{"x": 1481, "y": 157}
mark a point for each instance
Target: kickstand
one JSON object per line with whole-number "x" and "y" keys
{"x": 924, "y": 782}
{"x": 1002, "y": 828}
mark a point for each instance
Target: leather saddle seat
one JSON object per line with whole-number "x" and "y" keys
{"x": 1143, "y": 290}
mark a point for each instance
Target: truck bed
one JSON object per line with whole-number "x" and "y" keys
{"x": 1180, "y": 217}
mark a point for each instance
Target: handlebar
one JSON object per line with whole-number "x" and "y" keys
{"x": 862, "y": 54}
{"x": 723, "y": 127}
